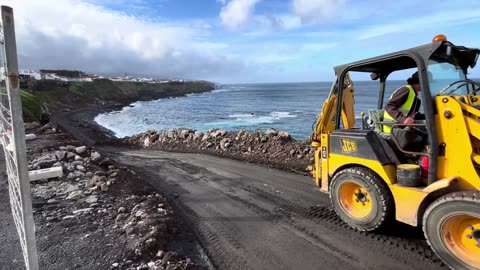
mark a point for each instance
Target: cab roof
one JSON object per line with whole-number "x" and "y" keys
{"x": 442, "y": 51}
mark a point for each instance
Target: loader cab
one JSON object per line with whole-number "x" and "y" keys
{"x": 442, "y": 69}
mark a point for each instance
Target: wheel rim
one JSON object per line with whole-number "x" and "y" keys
{"x": 461, "y": 235}
{"x": 355, "y": 200}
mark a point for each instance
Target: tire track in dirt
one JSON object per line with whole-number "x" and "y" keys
{"x": 418, "y": 249}
{"x": 247, "y": 217}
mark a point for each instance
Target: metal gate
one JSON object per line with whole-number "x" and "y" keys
{"x": 12, "y": 137}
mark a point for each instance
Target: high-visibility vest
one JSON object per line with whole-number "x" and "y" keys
{"x": 404, "y": 109}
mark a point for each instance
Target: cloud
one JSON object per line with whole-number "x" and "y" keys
{"x": 316, "y": 10}
{"x": 73, "y": 34}
{"x": 237, "y": 12}
{"x": 433, "y": 21}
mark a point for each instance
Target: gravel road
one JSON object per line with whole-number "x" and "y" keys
{"x": 252, "y": 217}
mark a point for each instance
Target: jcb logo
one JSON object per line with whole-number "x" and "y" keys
{"x": 348, "y": 146}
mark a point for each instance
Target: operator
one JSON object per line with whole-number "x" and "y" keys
{"x": 404, "y": 104}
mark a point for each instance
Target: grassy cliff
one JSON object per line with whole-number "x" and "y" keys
{"x": 55, "y": 94}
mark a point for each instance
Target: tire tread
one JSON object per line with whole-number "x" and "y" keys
{"x": 387, "y": 204}
{"x": 466, "y": 196}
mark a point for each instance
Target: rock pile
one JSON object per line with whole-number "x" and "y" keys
{"x": 272, "y": 147}
{"x": 87, "y": 197}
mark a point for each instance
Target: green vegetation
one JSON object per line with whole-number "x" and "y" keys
{"x": 56, "y": 94}
{"x": 32, "y": 109}
{"x": 66, "y": 73}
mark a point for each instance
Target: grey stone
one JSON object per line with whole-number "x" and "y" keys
{"x": 61, "y": 155}
{"x": 224, "y": 143}
{"x": 79, "y": 174}
{"x": 75, "y": 195}
{"x": 76, "y": 163}
{"x": 197, "y": 135}
{"x": 70, "y": 168}
{"x": 205, "y": 137}
{"x": 70, "y": 155}
{"x": 271, "y": 132}
{"x": 146, "y": 142}
{"x": 95, "y": 156}
{"x": 81, "y": 211}
{"x": 80, "y": 149}
{"x": 184, "y": 133}
{"x": 45, "y": 161}
{"x": 71, "y": 188}
{"x": 284, "y": 135}
{"x": 171, "y": 133}
{"x": 51, "y": 218}
{"x": 91, "y": 199}
{"x": 218, "y": 133}
{"x": 105, "y": 162}
{"x": 100, "y": 173}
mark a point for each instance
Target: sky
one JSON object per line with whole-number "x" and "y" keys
{"x": 231, "y": 41}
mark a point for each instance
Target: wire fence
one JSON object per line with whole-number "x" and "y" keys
{"x": 12, "y": 137}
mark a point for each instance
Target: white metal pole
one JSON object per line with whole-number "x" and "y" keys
{"x": 12, "y": 82}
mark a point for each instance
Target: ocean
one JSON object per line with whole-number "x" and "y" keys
{"x": 290, "y": 107}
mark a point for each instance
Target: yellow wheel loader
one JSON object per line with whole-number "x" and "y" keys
{"x": 374, "y": 177}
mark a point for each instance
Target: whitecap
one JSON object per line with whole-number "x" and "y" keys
{"x": 279, "y": 115}
{"x": 221, "y": 90}
{"x": 242, "y": 115}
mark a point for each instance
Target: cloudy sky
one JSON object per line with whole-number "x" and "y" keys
{"x": 231, "y": 40}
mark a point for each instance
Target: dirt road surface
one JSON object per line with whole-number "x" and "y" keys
{"x": 251, "y": 217}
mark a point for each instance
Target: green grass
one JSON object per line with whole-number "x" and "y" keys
{"x": 31, "y": 107}
{"x": 56, "y": 94}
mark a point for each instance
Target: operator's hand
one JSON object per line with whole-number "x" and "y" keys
{"x": 409, "y": 120}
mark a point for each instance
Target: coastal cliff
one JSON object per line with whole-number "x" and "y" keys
{"x": 47, "y": 96}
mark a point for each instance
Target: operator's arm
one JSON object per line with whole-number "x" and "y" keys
{"x": 395, "y": 103}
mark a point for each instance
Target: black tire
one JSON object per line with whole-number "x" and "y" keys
{"x": 382, "y": 206}
{"x": 436, "y": 220}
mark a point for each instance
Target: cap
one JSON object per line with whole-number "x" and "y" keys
{"x": 414, "y": 78}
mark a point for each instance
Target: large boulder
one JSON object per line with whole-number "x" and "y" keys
{"x": 284, "y": 136}
{"x": 45, "y": 161}
{"x": 271, "y": 132}
{"x": 80, "y": 150}
{"x": 146, "y": 142}
{"x": 171, "y": 133}
{"x": 185, "y": 132}
{"x": 218, "y": 133}
{"x": 225, "y": 143}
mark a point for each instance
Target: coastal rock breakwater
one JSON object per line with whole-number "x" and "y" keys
{"x": 272, "y": 148}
